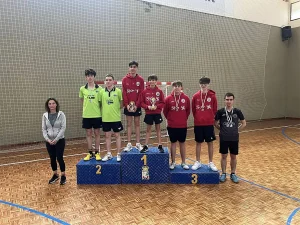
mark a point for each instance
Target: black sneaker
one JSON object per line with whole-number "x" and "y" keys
{"x": 53, "y": 179}
{"x": 160, "y": 149}
{"x": 145, "y": 149}
{"x": 63, "y": 180}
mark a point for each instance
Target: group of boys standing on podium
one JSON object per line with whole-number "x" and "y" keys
{"x": 102, "y": 109}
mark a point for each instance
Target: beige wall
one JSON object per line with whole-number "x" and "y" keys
{"x": 46, "y": 46}
{"x": 294, "y": 23}
{"x": 271, "y": 12}
{"x": 292, "y": 75}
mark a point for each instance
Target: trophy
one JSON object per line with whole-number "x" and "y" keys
{"x": 153, "y": 101}
{"x": 145, "y": 173}
{"x": 131, "y": 106}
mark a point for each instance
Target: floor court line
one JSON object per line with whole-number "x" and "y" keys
{"x": 288, "y": 222}
{"x": 188, "y": 139}
{"x": 35, "y": 212}
{"x": 287, "y": 137}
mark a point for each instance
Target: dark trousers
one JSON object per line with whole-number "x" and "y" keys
{"x": 56, "y": 152}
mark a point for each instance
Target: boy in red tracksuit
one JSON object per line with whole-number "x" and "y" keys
{"x": 152, "y": 100}
{"x": 132, "y": 86}
{"x": 204, "y": 107}
{"x": 177, "y": 110}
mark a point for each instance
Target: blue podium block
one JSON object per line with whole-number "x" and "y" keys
{"x": 203, "y": 175}
{"x": 145, "y": 168}
{"x": 98, "y": 172}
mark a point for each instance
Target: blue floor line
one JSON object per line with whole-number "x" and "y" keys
{"x": 286, "y": 136}
{"x": 288, "y": 222}
{"x": 35, "y": 212}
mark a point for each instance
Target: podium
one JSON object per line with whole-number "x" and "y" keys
{"x": 204, "y": 175}
{"x": 151, "y": 167}
{"x": 98, "y": 172}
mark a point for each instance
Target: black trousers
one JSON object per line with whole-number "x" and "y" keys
{"x": 56, "y": 152}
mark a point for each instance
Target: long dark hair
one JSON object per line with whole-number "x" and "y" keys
{"x": 47, "y": 107}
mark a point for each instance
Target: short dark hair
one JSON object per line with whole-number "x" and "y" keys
{"x": 152, "y": 77}
{"x": 177, "y": 83}
{"x": 228, "y": 94}
{"x": 204, "y": 80}
{"x": 90, "y": 71}
{"x": 134, "y": 63}
{"x": 110, "y": 75}
{"x": 47, "y": 102}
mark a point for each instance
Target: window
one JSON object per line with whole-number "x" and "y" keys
{"x": 295, "y": 10}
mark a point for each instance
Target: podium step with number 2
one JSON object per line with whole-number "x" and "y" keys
{"x": 98, "y": 172}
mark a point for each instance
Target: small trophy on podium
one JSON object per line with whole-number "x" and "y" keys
{"x": 145, "y": 173}
{"x": 153, "y": 101}
{"x": 131, "y": 106}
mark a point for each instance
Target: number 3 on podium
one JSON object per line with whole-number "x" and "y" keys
{"x": 195, "y": 178}
{"x": 145, "y": 160}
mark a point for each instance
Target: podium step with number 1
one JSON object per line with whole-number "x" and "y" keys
{"x": 145, "y": 168}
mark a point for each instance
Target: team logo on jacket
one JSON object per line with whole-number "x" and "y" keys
{"x": 208, "y": 99}
{"x": 234, "y": 116}
{"x": 183, "y": 100}
{"x": 137, "y": 83}
{"x": 157, "y": 94}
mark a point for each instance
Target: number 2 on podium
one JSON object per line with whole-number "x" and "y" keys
{"x": 145, "y": 160}
{"x": 98, "y": 169}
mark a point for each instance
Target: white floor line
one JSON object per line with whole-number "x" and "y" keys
{"x": 188, "y": 139}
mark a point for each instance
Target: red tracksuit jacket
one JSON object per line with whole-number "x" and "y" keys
{"x": 204, "y": 116}
{"x": 132, "y": 87}
{"x": 147, "y": 95}
{"x": 177, "y": 118}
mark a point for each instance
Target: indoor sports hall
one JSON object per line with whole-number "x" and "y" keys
{"x": 250, "y": 48}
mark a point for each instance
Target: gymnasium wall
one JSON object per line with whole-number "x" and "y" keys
{"x": 271, "y": 12}
{"x": 292, "y": 76}
{"x": 47, "y": 45}
{"x": 294, "y": 23}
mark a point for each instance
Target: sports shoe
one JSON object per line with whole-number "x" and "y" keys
{"x": 172, "y": 166}
{"x": 88, "y": 157}
{"x": 108, "y": 156}
{"x": 223, "y": 177}
{"x": 145, "y": 149}
{"x": 212, "y": 166}
{"x": 53, "y": 179}
{"x": 185, "y": 166}
{"x": 63, "y": 180}
{"x": 98, "y": 157}
{"x": 160, "y": 149}
{"x": 196, "y": 165}
{"x": 118, "y": 157}
{"x": 234, "y": 178}
{"x": 139, "y": 146}
{"x": 128, "y": 147}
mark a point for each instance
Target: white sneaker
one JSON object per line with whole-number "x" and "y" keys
{"x": 118, "y": 157}
{"x": 212, "y": 166}
{"x": 139, "y": 146}
{"x": 172, "y": 166}
{"x": 185, "y": 166}
{"x": 128, "y": 147}
{"x": 108, "y": 156}
{"x": 196, "y": 165}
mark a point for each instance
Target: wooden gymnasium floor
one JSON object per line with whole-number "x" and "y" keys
{"x": 268, "y": 193}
